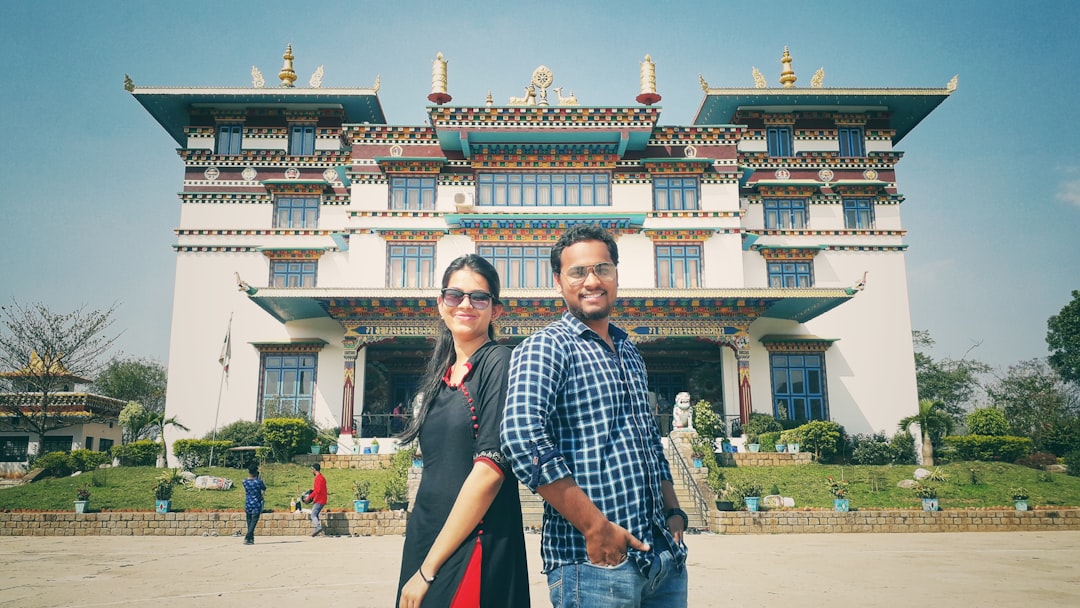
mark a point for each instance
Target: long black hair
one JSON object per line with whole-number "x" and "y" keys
{"x": 444, "y": 355}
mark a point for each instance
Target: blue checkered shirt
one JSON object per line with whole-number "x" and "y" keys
{"x": 575, "y": 408}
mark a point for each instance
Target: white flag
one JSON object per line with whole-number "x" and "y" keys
{"x": 226, "y": 349}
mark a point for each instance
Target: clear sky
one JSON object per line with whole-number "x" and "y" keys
{"x": 991, "y": 177}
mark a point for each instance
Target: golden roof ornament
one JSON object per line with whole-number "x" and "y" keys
{"x": 542, "y": 78}
{"x": 787, "y": 75}
{"x": 759, "y": 80}
{"x": 951, "y": 86}
{"x": 129, "y": 84}
{"x": 703, "y": 83}
{"x": 490, "y": 101}
{"x": 439, "y": 94}
{"x": 287, "y": 75}
{"x": 818, "y": 79}
{"x": 257, "y": 79}
{"x": 316, "y": 78}
{"x": 648, "y": 94}
{"x": 378, "y": 83}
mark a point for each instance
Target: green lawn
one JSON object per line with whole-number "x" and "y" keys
{"x": 970, "y": 484}
{"x": 131, "y": 489}
{"x": 871, "y": 487}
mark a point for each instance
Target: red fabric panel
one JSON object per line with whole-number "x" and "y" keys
{"x": 468, "y": 593}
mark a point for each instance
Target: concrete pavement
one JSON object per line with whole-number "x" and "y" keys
{"x": 836, "y": 570}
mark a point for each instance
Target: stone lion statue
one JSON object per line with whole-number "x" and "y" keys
{"x": 681, "y": 418}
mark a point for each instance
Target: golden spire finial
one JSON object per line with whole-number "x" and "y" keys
{"x": 648, "y": 94}
{"x": 287, "y": 75}
{"x": 787, "y": 76}
{"x": 438, "y": 81}
{"x": 489, "y": 101}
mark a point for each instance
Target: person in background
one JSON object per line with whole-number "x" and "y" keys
{"x": 318, "y": 498}
{"x": 579, "y": 430}
{"x": 253, "y": 501}
{"x": 464, "y": 543}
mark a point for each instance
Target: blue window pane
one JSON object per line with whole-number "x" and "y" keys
{"x": 292, "y": 274}
{"x": 411, "y": 265}
{"x": 798, "y": 387}
{"x": 302, "y": 140}
{"x": 852, "y": 142}
{"x": 296, "y": 212}
{"x": 520, "y": 267}
{"x": 229, "y": 139}
{"x": 778, "y": 141}
{"x": 412, "y": 193}
{"x": 546, "y": 189}
{"x": 288, "y": 385}
{"x": 858, "y": 213}
{"x": 790, "y": 275}
{"x": 678, "y": 266}
{"x": 675, "y": 193}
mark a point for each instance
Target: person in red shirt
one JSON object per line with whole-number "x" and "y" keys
{"x": 318, "y": 497}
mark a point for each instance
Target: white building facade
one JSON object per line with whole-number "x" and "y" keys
{"x": 761, "y": 244}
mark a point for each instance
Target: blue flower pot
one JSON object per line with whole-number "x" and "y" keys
{"x": 841, "y": 504}
{"x": 361, "y": 506}
{"x": 161, "y": 506}
{"x": 751, "y": 503}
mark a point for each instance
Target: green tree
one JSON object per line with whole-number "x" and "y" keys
{"x": 136, "y": 422}
{"x": 1063, "y": 338}
{"x": 44, "y": 353}
{"x": 131, "y": 379}
{"x": 987, "y": 421}
{"x": 1034, "y": 399}
{"x": 934, "y": 423}
{"x": 953, "y": 382}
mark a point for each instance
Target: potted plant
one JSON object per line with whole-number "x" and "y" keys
{"x": 163, "y": 490}
{"x": 928, "y": 494}
{"x": 396, "y": 491}
{"x": 697, "y": 451}
{"x": 718, "y": 485}
{"x": 361, "y": 489}
{"x": 374, "y": 446}
{"x": 82, "y": 497}
{"x": 316, "y": 444}
{"x": 752, "y": 442}
{"x": 1020, "y": 497}
{"x": 750, "y": 492}
{"x": 839, "y": 489}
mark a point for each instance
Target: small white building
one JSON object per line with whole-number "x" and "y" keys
{"x": 762, "y": 256}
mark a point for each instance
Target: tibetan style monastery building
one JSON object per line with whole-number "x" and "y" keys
{"x": 762, "y": 256}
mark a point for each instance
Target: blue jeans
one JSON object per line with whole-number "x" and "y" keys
{"x": 589, "y": 586}
{"x": 252, "y": 521}
{"x": 315, "y": 509}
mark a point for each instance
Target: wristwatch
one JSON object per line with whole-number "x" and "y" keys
{"x": 677, "y": 511}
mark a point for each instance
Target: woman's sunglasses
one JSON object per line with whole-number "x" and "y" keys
{"x": 454, "y": 297}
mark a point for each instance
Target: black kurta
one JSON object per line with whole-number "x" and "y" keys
{"x": 449, "y": 449}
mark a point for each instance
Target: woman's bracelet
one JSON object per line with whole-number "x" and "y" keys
{"x": 426, "y": 579}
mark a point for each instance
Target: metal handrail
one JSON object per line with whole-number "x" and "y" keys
{"x": 703, "y": 505}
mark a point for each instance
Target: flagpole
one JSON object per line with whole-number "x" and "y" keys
{"x": 226, "y": 354}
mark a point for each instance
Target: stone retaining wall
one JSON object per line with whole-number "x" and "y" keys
{"x": 763, "y": 459}
{"x": 227, "y": 523}
{"x": 951, "y": 520}
{"x": 346, "y": 461}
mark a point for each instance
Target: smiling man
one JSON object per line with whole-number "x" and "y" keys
{"x": 579, "y": 431}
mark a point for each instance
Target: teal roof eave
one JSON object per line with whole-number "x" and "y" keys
{"x": 291, "y": 309}
{"x": 171, "y": 106}
{"x": 466, "y": 140}
{"x": 908, "y": 107}
{"x": 293, "y": 181}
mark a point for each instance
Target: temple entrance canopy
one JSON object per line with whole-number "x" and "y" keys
{"x": 395, "y": 327}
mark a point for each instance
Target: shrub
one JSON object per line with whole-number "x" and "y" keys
{"x": 142, "y": 453}
{"x": 287, "y": 437}
{"x": 903, "y": 446}
{"x": 822, "y": 437}
{"x": 708, "y": 424}
{"x": 1072, "y": 463}
{"x": 760, "y": 423}
{"x": 769, "y": 440}
{"x": 924, "y": 490}
{"x": 194, "y": 453}
{"x": 987, "y": 421}
{"x": 87, "y": 460}
{"x": 871, "y": 449}
{"x": 1059, "y": 436}
{"x": 55, "y": 464}
{"x": 987, "y": 448}
{"x": 1037, "y": 460}
{"x": 241, "y": 432}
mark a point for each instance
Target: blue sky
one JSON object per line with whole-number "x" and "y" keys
{"x": 991, "y": 178}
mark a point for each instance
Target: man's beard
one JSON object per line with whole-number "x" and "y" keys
{"x": 585, "y": 317}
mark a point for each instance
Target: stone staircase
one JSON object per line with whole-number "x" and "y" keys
{"x": 532, "y": 506}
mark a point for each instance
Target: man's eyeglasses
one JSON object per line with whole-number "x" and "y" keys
{"x": 454, "y": 297}
{"x": 578, "y": 274}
